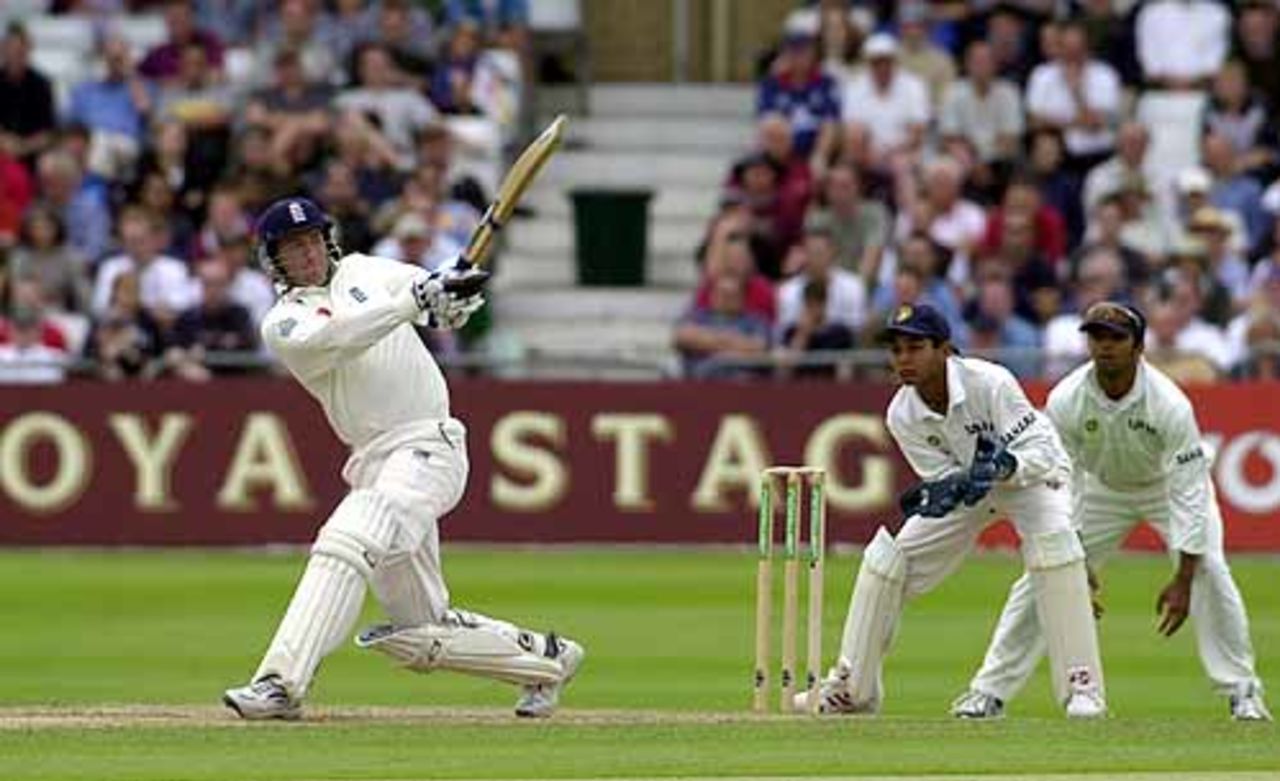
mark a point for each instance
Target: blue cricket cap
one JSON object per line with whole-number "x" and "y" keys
{"x": 919, "y": 320}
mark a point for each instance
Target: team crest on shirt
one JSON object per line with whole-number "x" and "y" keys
{"x": 286, "y": 327}
{"x": 903, "y": 314}
{"x": 934, "y": 440}
{"x": 1091, "y": 425}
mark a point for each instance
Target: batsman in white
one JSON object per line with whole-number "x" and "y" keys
{"x": 343, "y": 326}
{"x": 1132, "y": 435}
{"x": 983, "y": 452}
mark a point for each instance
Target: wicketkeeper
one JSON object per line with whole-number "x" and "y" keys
{"x": 983, "y": 453}
{"x": 1133, "y": 438}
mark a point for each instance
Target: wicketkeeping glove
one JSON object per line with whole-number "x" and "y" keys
{"x": 991, "y": 463}
{"x": 937, "y": 498}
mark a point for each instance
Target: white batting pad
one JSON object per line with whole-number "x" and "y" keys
{"x": 873, "y": 614}
{"x": 1055, "y": 561}
{"x": 468, "y": 643}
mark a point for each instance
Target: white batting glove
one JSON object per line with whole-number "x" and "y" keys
{"x": 450, "y": 296}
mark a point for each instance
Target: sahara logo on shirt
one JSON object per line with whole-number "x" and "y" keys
{"x": 1191, "y": 455}
{"x": 1025, "y": 422}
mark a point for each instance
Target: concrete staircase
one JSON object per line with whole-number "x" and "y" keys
{"x": 675, "y": 140}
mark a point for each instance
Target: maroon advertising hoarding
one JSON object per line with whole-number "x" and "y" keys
{"x": 252, "y": 461}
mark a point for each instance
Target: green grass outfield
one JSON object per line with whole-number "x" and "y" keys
{"x": 111, "y": 665}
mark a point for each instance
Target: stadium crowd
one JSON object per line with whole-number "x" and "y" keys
{"x": 130, "y": 179}
{"x": 1009, "y": 163}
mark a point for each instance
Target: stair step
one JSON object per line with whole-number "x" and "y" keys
{"x": 690, "y": 100}
{"x": 686, "y": 203}
{"x": 600, "y": 305}
{"x": 632, "y": 170}
{"x": 519, "y": 272}
{"x": 717, "y": 137}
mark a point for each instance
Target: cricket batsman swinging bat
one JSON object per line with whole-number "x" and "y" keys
{"x": 518, "y": 179}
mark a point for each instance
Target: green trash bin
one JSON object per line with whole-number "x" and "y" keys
{"x": 611, "y": 235}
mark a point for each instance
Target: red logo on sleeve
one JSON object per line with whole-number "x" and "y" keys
{"x": 323, "y": 311}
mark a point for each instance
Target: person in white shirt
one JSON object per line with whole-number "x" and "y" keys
{"x": 984, "y": 453}
{"x": 1182, "y": 43}
{"x": 984, "y": 110}
{"x": 165, "y": 284}
{"x": 891, "y": 103}
{"x": 344, "y": 328}
{"x": 400, "y": 109}
{"x": 1079, "y": 95}
{"x": 846, "y": 293}
{"x": 1132, "y": 435}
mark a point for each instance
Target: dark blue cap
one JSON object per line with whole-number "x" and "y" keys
{"x": 917, "y": 320}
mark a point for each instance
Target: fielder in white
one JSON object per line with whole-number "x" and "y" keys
{"x": 344, "y": 328}
{"x": 1132, "y": 435}
{"x": 984, "y": 452}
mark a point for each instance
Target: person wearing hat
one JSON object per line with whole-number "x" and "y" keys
{"x": 969, "y": 432}
{"x": 1224, "y": 274}
{"x": 892, "y": 103}
{"x": 1138, "y": 454}
{"x": 798, "y": 88}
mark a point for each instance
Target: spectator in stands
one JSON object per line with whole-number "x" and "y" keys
{"x": 26, "y": 293}
{"x": 1078, "y": 96}
{"x": 795, "y": 185}
{"x": 225, "y": 218}
{"x": 814, "y": 330}
{"x": 727, "y": 254}
{"x": 43, "y": 252}
{"x": 16, "y": 193}
{"x": 1011, "y": 44}
{"x": 250, "y": 287}
{"x": 163, "y": 282}
{"x": 1144, "y": 228}
{"x": 407, "y": 33}
{"x": 262, "y": 177}
{"x": 27, "y": 112}
{"x": 1266, "y": 264}
{"x": 414, "y": 240}
{"x": 24, "y": 358}
{"x": 985, "y": 111}
{"x": 1181, "y": 342}
{"x": 1252, "y": 337}
{"x": 1257, "y": 46}
{"x": 339, "y": 195}
{"x": 891, "y": 103}
{"x": 115, "y": 110}
{"x": 941, "y": 212}
{"x": 755, "y": 179}
{"x": 493, "y": 16}
{"x": 194, "y": 96}
{"x": 1106, "y": 231}
{"x": 1059, "y": 187}
{"x": 437, "y": 146}
{"x": 1109, "y": 28}
{"x": 918, "y": 54}
{"x": 126, "y": 341}
{"x": 82, "y": 208}
{"x": 798, "y": 89}
{"x": 711, "y": 338}
{"x": 397, "y": 110}
{"x": 153, "y": 191}
{"x": 1132, "y": 142}
{"x": 164, "y": 61}
{"x": 1100, "y": 277}
{"x": 1226, "y": 272}
{"x": 1239, "y": 114}
{"x": 234, "y": 22}
{"x": 370, "y": 157}
{"x": 300, "y": 32}
{"x": 926, "y": 263}
{"x": 1022, "y": 198}
{"x": 1039, "y": 296}
{"x": 1188, "y": 261}
{"x": 846, "y": 295}
{"x": 1233, "y": 189}
{"x": 295, "y": 110}
{"x": 1182, "y": 43}
{"x": 456, "y": 219}
{"x": 217, "y": 324}
{"x": 993, "y": 325}
{"x": 859, "y": 225}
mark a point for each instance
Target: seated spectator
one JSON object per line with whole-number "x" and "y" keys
{"x": 1179, "y": 341}
{"x": 339, "y": 195}
{"x": 710, "y": 339}
{"x": 756, "y": 181}
{"x": 217, "y": 324}
{"x": 381, "y": 92}
{"x": 163, "y": 61}
{"x": 846, "y": 295}
{"x": 1106, "y": 231}
{"x": 1189, "y": 260}
{"x": 797, "y": 88}
{"x": 1099, "y": 277}
{"x": 27, "y": 110}
{"x": 1233, "y": 190}
{"x": 1128, "y": 163}
{"x": 407, "y": 32}
{"x": 795, "y": 186}
{"x": 298, "y": 31}
{"x": 250, "y": 287}
{"x": 985, "y": 111}
{"x": 437, "y": 145}
{"x": 16, "y": 193}
{"x": 1257, "y": 46}
{"x": 1022, "y": 198}
{"x": 472, "y": 81}
{"x": 225, "y": 219}
{"x": 126, "y": 341}
{"x": 918, "y": 54}
{"x": 492, "y": 16}
{"x": 194, "y": 97}
{"x": 927, "y": 264}
{"x": 456, "y": 219}
{"x": 1035, "y": 281}
{"x": 1182, "y": 43}
{"x": 1240, "y": 115}
{"x": 941, "y": 212}
{"x": 1143, "y": 227}
{"x": 1265, "y": 265}
{"x": 262, "y": 177}
{"x": 27, "y": 295}
{"x": 1012, "y": 44}
{"x": 993, "y": 325}
{"x": 24, "y": 358}
{"x": 294, "y": 109}
{"x": 413, "y": 240}
{"x": 891, "y": 103}
{"x": 170, "y": 153}
{"x": 370, "y": 157}
{"x": 352, "y": 23}
{"x": 860, "y": 226}
{"x": 814, "y": 330}
{"x": 1078, "y": 96}
{"x": 1254, "y": 329}
{"x": 727, "y": 254}
{"x": 232, "y": 21}
{"x": 841, "y": 33}
{"x": 1225, "y": 269}
{"x": 115, "y": 110}
{"x": 1261, "y": 355}
{"x": 43, "y": 252}
{"x": 1059, "y": 187}
{"x": 164, "y": 285}
{"x": 152, "y": 191}
{"x": 82, "y": 209}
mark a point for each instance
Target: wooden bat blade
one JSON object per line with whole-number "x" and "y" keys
{"x": 522, "y": 173}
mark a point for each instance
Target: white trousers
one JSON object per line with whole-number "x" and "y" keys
{"x": 1105, "y": 518}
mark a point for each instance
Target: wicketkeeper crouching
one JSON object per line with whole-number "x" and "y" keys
{"x": 982, "y": 453}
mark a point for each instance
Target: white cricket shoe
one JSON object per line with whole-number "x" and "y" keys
{"x": 835, "y": 696}
{"x": 974, "y": 704}
{"x": 265, "y": 698}
{"x": 539, "y": 701}
{"x": 1084, "y": 701}
{"x": 1247, "y": 704}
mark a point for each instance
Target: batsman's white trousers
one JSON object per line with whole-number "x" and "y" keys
{"x": 1105, "y": 518}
